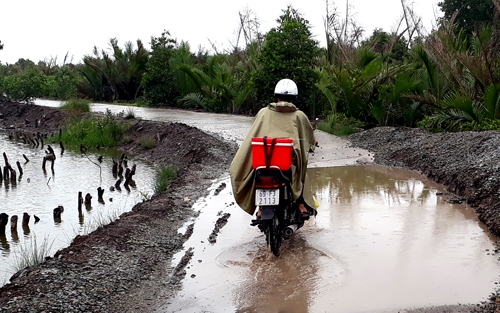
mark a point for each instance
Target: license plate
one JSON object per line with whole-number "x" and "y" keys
{"x": 267, "y": 197}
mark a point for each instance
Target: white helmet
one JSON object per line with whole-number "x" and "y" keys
{"x": 286, "y": 87}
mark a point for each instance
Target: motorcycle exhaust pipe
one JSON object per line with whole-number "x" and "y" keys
{"x": 289, "y": 230}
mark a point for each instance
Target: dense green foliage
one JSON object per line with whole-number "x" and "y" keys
{"x": 116, "y": 76}
{"x": 158, "y": 79}
{"x": 448, "y": 80}
{"x": 289, "y": 51}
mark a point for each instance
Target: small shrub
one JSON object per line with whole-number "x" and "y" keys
{"x": 130, "y": 114}
{"x": 163, "y": 178}
{"x": 146, "y": 142}
{"x": 31, "y": 254}
{"x": 340, "y": 125}
{"x": 77, "y": 105}
{"x": 104, "y": 131}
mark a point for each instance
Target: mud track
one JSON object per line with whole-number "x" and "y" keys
{"x": 125, "y": 266}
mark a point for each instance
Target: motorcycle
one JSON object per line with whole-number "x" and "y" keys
{"x": 279, "y": 215}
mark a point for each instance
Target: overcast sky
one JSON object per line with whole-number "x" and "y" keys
{"x": 39, "y": 30}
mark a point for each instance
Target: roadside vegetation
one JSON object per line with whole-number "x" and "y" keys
{"x": 92, "y": 131}
{"x": 164, "y": 177}
{"x": 32, "y": 254}
{"x": 447, "y": 79}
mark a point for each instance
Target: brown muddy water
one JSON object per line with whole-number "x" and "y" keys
{"x": 383, "y": 241}
{"x": 38, "y": 193}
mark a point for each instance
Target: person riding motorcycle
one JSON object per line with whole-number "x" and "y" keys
{"x": 278, "y": 120}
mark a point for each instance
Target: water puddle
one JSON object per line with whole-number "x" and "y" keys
{"x": 383, "y": 241}
{"x": 38, "y": 193}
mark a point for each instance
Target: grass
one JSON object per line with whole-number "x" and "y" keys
{"x": 104, "y": 131}
{"x": 164, "y": 177}
{"x": 32, "y": 254}
{"x": 147, "y": 142}
{"x": 340, "y": 125}
{"x": 77, "y": 105}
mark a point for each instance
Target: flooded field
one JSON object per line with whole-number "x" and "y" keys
{"x": 384, "y": 240}
{"x": 39, "y": 192}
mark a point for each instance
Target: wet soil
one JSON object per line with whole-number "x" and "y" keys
{"x": 125, "y": 266}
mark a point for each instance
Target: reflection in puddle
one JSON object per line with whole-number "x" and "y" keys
{"x": 383, "y": 241}
{"x": 404, "y": 245}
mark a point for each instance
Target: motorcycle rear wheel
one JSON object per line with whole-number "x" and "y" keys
{"x": 273, "y": 235}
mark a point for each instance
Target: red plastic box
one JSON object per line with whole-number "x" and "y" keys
{"x": 281, "y": 155}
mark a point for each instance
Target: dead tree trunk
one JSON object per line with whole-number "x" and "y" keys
{"x": 62, "y": 147}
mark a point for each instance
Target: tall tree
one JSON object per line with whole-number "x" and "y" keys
{"x": 158, "y": 80}
{"x": 289, "y": 51}
{"x": 471, "y": 14}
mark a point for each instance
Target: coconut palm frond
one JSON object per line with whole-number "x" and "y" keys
{"x": 194, "y": 100}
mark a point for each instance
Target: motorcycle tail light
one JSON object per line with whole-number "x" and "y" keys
{"x": 267, "y": 182}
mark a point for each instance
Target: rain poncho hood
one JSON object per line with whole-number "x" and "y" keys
{"x": 277, "y": 120}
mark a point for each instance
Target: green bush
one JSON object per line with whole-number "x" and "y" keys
{"x": 104, "y": 131}
{"x": 340, "y": 125}
{"x": 23, "y": 87}
{"x": 78, "y": 105}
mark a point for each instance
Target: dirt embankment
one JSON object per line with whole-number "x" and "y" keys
{"x": 125, "y": 266}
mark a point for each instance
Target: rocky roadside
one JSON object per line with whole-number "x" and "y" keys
{"x": 126, "y": 265}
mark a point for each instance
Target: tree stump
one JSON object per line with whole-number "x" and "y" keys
{"x": 100, "y": 193}
{"x": 57, "y": 213}
{"x": 26, "y": 218}
{"x": 80, "y": 201}
{"x": 6, "y": 173}
{"x": 117, "y": 184}
{"x": 88, "y": 199}
{"x": 20, "y": 169}
{"x": 13, "y": 222}
{"x": 4, "y": 219}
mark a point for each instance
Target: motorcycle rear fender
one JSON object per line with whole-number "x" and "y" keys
{"x": 267, "y": 212}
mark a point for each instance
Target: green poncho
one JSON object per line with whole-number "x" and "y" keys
{"x": 279, "y": 120}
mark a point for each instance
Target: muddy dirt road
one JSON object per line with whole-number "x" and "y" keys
{"x": 385, "y": 240}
